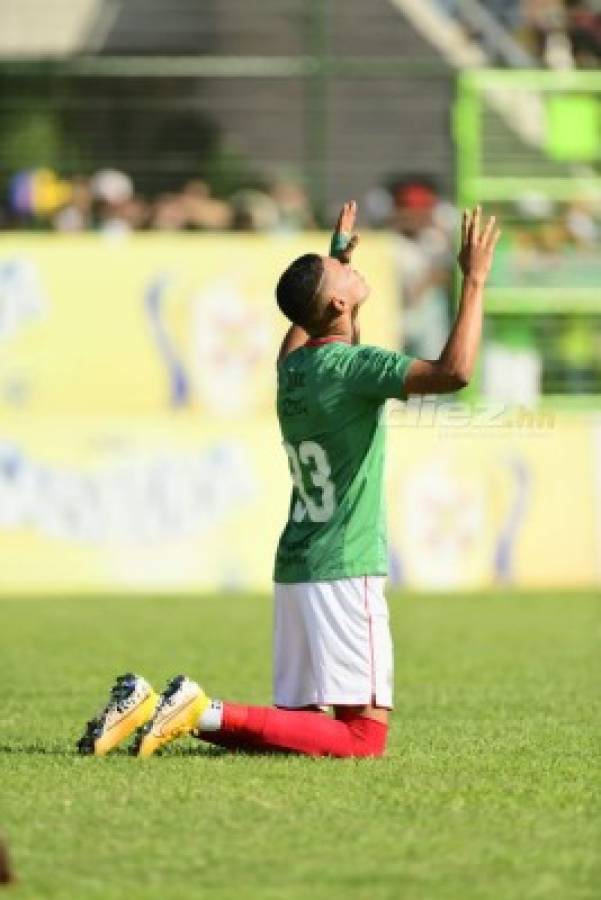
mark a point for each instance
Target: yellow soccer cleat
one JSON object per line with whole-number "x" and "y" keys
{"x": 181, "y": 705}
{"x": 131, "y": 704}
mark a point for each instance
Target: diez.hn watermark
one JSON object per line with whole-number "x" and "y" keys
{"x": 430, "y": 411}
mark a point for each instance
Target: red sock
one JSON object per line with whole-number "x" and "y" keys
{"x": 298, "y": 731}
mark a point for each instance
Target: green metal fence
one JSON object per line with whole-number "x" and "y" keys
{"x": 528, "y": 146}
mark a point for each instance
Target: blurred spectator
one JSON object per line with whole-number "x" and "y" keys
{"x": 584, "y": 29}
{"x": 254, "y": 211}
{"x": 545, "y": 32}
{"x": 424, "y": 225}
{"x": 112, "y": 187}
{"x": 564, "y": 33}
{"x": 294, "y": 208}
{"x": 561, "y": 33}
{"x": 511, "y": 364}
{"x": 108, "y": 202}
{"x": 76, "y": 215}
{"x": 168, "y": 213}
{"x": 378, "y": 206}
{"x": 34, "y": 195}
{"x": 203, "y": 211}
{"x": 581, "y": 225}
{"x": 113, "y": 192}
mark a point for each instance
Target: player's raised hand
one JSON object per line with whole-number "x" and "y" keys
{"x": 344, "y": 240}
{"x": 477, "y": 244}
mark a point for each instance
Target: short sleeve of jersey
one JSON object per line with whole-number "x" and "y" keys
{"x": 376, "y": 374}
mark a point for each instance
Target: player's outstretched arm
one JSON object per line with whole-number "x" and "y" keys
{"x": 343, "y": 243}
{"x": 344, "y": 240}
{"x": 453, "y": 369}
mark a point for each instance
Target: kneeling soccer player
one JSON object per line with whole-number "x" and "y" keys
{"x": 332, "y": 641}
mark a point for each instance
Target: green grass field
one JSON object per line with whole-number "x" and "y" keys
{"x": 490, "y": 788}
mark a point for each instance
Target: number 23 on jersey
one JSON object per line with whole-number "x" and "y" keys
{"x": 319, "y": 501}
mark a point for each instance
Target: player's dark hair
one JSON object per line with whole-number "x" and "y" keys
{"x": 296, "y": 291}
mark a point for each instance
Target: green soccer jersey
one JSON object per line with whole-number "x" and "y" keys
{"x": 330, "y": 406}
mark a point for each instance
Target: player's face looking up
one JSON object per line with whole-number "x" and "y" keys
{"x": 340, "y": 294}
{"x": 342, "y": 285}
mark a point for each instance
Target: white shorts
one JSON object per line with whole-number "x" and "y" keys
{"x": 332, "y": 644}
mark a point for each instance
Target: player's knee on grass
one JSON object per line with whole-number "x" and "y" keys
{"x": 369, "y": 737}
{"x": 368, "y": 727}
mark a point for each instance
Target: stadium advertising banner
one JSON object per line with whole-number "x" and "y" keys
{"x": 483, "y": 503}
{"x": 143, "y": 324}
{"x": 183, "y": 506}
{"x": 139, "y": 448}
{"x": 155, "y": 504}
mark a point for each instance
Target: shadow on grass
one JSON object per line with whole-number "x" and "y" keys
{"x": 208, "y": 750}
{"x": 172, "y": 752}
{"x": 34, "y": 750}
{"x": 56, "y": 750}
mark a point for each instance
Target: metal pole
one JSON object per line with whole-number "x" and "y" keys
{"x": 316, "y": 87}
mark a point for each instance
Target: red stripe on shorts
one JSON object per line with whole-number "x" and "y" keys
{"x": 371, "y": 643}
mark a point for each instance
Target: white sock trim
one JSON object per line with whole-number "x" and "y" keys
{"x": 211, "y": 718}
